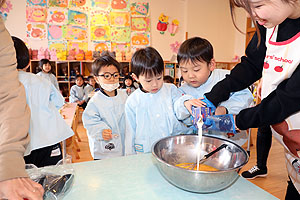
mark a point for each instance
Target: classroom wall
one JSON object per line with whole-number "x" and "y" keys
{"x": 209, "y": 19}
{"x": 212, "y": 20}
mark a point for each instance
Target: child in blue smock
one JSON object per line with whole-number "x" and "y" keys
{"x": 89, "y": 89}
{"x": 46, "y": 72}
{"x": 47, "y": 127}
{"x": 78, "y": 93}
{"x": 104, "y": 116}
{"x": 198, "y": 69}
{"x": 150, "y": 112}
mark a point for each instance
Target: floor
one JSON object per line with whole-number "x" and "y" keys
{"x": 275, "y": 183}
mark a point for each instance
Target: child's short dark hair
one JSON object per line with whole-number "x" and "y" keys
{"x": 22, "y": 53}
{"x": 90, "y": 77}
{"x": 78, "y": 76}
{"x": 168, "y": 79}
{"x": 195, "y": 49}
{"x": 147, "y": 62}
{"x": 43, "y": 62}
{"x": 125, "y": 78}
{"x": 105, "y": 60}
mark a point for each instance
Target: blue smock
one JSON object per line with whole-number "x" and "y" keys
{"x": 50, "y": 77}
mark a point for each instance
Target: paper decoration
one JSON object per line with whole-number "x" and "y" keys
{"x": 100, "y": 33}
{"x": 77, "y": 45}
{"x": 162, "y": 24}
{"x": 173, "y": 27}
{"x": 77, "y": 18}
{"x": 58, "y": 46}
{"x": 140, "y": 24}
{"x": 99, "y": 18}
{"x": 120, "y": 5}
{"x": 5, "y": 9}
{"x": 78, "y": 3}
{"x": 36, "y": 3}
{"x": 102, "y": 46}
{"x": 58, "y": 3}
{"x": 140, "y": 39}
{"x": 120, "y": 34}
{"x": 36, "y": 14}
{"x": 76, "y": 33}
{"x": 120, "y": 19}
{"x": 102, "y": 4}
{"x": 120, "y": 47}
{"x": 139, "y": 9}
{"x": 56, "y": 32}
{"x": 175, "y": 47}
{"x": 36, "y": 31}
{"x": 57, "y": 16}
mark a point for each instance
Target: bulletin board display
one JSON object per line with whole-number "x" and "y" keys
{"x": 97, "y": 25}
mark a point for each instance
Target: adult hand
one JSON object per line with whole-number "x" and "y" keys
{"x": 107, "y": 134}
{"x": 20, "y": 188}
{"x": 193, "y": 102}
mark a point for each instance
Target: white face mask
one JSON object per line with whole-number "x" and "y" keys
{"x": 110, "y": 87}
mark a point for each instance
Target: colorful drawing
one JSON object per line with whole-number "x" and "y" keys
{"x": 36, "y": 2}
{"x": 120, "y": 5}
{"x": 140, "y": 24}
{"x": 36, "y": 14}
{"x": 58, "y": 3}
{"x": 76, "y": 33}
{"x": 99, "y": 18}
{"x": 120, "y": 47}
{"x": 140, "y": 39}
{"x": 120, "y": 34}
{"x": 139, "y": 9}
{"x": 173, "y": 27}
{"x": 36, "y": 30}
{"x": 56, "y": 32}
{"x": 162, "y": 24}
{"x": 58, "y": 46}
{"x": 120, "y": 19}
{"x": 102, "y": 4}
{"x": 77, "y": 17}
{"x": 78, "y": 46}
{"x": 5, "y": 9}
{"x": 100, "y": 33}
{"x": 57, "y": 16}
{"x": 77, "y": 3}
{"x": 102, "y": 46}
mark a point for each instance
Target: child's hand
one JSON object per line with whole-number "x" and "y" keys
{"x": 193, "y": 102}
{"x": 220, "y": 110}
{"x": 106, "y": 134}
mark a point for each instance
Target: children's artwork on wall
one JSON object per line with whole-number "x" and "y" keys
{"x": 5, "y": 9}
{"x": 76, "y": 33}
{"x": 140, "y": 24}
{"x": 36, "y": 3}
{"x": 139, "y": 9}
{"x": 100, "y": 33}
{"x": 58, "y": 46}
{"x": 140, "y": 39}
{"x": 162, "y": 24}
{"x": 102, "y": 4}
{"x": 57, "y": 16}
{"x": 120, "y": 34}
{"x": 102, "y": 46}
{"x": 78, "y": 3}
{"x": 36, "y": 14}
{"x": 175, "y": 47}
{"x": 77, "y": 17}
{"x": 36, "y": 31}
{"x": 120, "y": 19}
{"x": 58, "y": 3}
{"x": 99, "y": 18}
{"x": 120, "y": 5}
{"x": 56, "y": 32}
{"x": 121, "y": 50}
{"x": 77, "y": 45}
{"x": 173, "y": 27}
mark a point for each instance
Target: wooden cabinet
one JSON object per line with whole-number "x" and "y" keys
{"x": 172, "y": 69}
{"x": 250, "y": 30}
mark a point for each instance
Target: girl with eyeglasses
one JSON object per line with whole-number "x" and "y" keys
{"x": 104, "y": 116}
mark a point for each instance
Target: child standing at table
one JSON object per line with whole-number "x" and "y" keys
{"x": 78, "y": 94}
{"x": 197, "y": 65}
{"x": 273, "y": 55}
{"x": 45, "y": 66}
{"x": 128, "y": 85}
{"x": 47, "y": 127}
{"x": 150, "y": 111}
{"x": 104, "y": 116}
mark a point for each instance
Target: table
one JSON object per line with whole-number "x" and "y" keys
{"x": 136, "y": 177}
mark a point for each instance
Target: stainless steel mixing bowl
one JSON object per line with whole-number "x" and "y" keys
{"x": 178, "y": 149}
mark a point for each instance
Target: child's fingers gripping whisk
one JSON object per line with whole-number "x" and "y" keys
{"x": 107, "y": 134}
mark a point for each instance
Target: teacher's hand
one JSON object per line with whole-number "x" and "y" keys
{"x": 21, "y": 188}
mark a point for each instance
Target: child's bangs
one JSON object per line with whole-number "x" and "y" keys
{"x": 150, "y": 72}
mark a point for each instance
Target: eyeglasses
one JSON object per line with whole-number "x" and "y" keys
{"x": 108, "y": 75}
